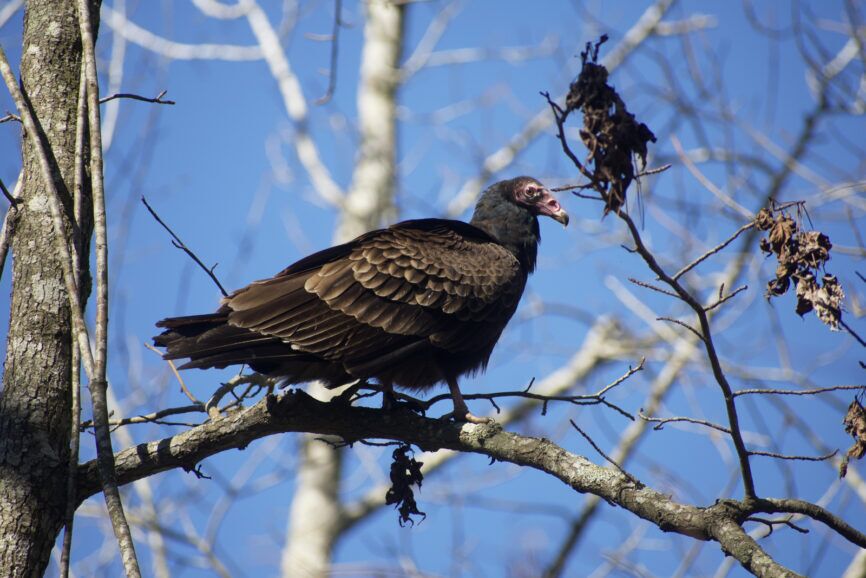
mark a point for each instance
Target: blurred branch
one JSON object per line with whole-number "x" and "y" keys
{"x": 510, "y": 54}
{"x": 335, "y": 51}
{"x": 294, "y": 102}
{"x": 9, "y": 10}
{"x": 725, "y": 198}
{"x": 175, "y": 50}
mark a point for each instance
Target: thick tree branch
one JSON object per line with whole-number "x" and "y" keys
{"x": 794, "y": 506}
{"x": 295, "y": 411}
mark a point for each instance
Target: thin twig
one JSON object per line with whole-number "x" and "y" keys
{"x": 174, "y": 370}
{"x": 154, "y": 417}
{"x": 631, "y": 371}
{"x": 9, "y": 116}
{"x": 585, "y": 399}
{"x": 157, "y": 100}
{"x": 653, "y": 287}
{"x": 708, "y": 184}
{"x": 823, "y": 458}
{"x": 798, "y": 391}
{"x": 10, "y": 219}
{"x": 705, "y": 334}
{"x": 257, "y": 379}
{"x": 655, "y": 171}
{"x": 77, "y": 267}
{"x": 6, "y": 234}
{"x": 559, "y": 116}
{"x": 771, "y": 524}
{"x": 57, "y": 214}
{"x": 852, "y": 332}
{"x": 9, "y": 196}
{"x": 712, "y": 251}
{"x": 571, "y": 188}
{"x": 682, "y": 324}
{"x": 726, "y": 298}
{"x": 661, "y": 421}
{"x": 332, "y": 71}
{"x": 180, "y": 245}
{"x": 706, "y": 337}
{"x": 98, "y": 384}
{"x": 72, "y": 478}
{"x": 631, "y": 478}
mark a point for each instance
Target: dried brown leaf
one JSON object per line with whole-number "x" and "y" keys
{"x": 782, "y": 231}
{"x": 764, "y": 220}
{"x": 855, "y": 426}
{"x": 813, "y": 248}
{"x": 825, "y": 299}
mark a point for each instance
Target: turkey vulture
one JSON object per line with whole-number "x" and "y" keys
{"x": 419, "y": 303}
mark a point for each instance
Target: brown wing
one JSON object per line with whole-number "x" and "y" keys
{"x": 404, "y": 295}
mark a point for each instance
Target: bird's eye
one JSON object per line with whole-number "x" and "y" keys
{"x": 532, "y": 194}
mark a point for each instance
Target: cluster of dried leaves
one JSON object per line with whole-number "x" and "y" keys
{"x": 405, "y": 472}
{"x": 801, "y": 257}
{"x": 610, "y": 132}
{"x": 855, "y": 425}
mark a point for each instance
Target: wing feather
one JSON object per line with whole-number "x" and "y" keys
{"x": 392, "y": 294}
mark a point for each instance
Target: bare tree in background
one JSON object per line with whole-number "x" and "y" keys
{"x": 701, "y": 235}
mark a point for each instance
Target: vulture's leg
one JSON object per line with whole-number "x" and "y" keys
{"x": 461, "y": 410}
{"x": 389, "y": 400}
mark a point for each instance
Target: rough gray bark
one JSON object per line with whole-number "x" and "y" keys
{"x": 35, "y": 403}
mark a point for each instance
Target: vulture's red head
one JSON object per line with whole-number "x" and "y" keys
{"x": 534, "y": 196}
{"x": 508, "y": 211}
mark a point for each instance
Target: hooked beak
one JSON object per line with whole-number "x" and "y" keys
{"x": 550, "y": 207}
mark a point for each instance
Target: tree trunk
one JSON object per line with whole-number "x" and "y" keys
{"x": 35, "y": 403}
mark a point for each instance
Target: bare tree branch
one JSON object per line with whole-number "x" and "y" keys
{"x": 98, "y": 383}
{"x": 297, "y": 411}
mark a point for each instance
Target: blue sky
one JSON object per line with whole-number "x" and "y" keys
{"x": 205, "y": 165}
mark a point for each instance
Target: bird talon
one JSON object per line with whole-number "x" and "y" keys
{"x": 472, "y": 418}
{"x": 466, "y": 417}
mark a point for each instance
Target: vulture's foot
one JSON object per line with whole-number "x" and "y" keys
{"x": 466, "y": 416}
{"x": 461, "y": 411}
{"x": 472, "y": 418}
{"x": 461, "y": 414}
